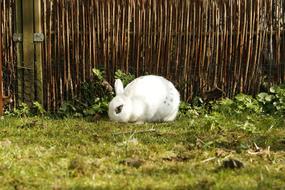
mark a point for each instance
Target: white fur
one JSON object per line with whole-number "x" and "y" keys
{"x": 119, "y": 87}
{"x": 146, "y": 99}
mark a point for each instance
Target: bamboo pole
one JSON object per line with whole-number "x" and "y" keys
{"x": 38, "y": 52}
{"x": 84, "y": 51}
{"x": 1, "y": 81}
{"x": 28, "y": 51}
{"x": 19, "y": 53}
{"x": 10, "y": 68}
{"x": 256, "y": 45}
{"x": 45, "y": 89}
{"x": 47, "y": 11}
{"x": 60, "y": 54}
{"x": 76, "y": 39}
{"x": 278, "y": 39}
{"x": 128, "y": 35}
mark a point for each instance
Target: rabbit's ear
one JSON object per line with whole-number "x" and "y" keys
{"x": 119, "y": 87}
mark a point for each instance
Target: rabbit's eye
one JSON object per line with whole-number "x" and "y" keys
{"x": 119, "y": 109}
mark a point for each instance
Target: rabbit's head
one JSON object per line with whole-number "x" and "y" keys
{"x": 120, "y": 107}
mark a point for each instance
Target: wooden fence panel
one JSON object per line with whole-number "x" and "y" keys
{"x": 7, "y": 55}
{"x": 200, "y": 45}
{"x": 227, "y": 45}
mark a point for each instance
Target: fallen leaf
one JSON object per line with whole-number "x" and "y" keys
{"x": 221, "y": 153}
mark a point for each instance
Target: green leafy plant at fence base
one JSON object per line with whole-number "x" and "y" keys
{"x": 24, "y": 110}
{"x": 100, "y": 106}
{"x": 240, "y": 104}
{"x": 246, "y": 103}
{"x": 125, "y": 77}
{"x": 37, "y": 109}
{"x": 95, "y": 95}
{"x": 97, "y": 92}
{"x": 272, "y": 102}
{"x": 196, "y": 108}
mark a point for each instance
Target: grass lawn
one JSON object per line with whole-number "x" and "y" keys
{"x": 213, "y": 151}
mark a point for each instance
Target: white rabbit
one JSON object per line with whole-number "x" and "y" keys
{"x": 146, "y": 99}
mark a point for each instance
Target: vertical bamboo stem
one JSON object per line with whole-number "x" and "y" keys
{"x": 19, "y": 49}
{"x": 28, "y": 49}
{"x": 38, "y": 51}
{"x": 128, "y": 38}
{"x": 1, "y": 73}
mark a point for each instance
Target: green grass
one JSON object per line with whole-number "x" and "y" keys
{"x": 190, "y": 153}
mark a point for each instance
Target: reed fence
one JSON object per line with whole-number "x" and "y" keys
{"x": 7, "y": 52}
{"x": 201, "y": 45}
